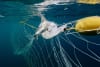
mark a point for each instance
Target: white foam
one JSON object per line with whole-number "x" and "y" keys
{"x": 50, "y": 2}
{"x": 43, "y": 5}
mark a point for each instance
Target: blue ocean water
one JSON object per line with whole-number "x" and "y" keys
{"x": 15, "y": 11}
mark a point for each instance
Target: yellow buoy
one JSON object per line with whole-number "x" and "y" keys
{"x": 88, "y": 25}
{"x": 89, "y": 1}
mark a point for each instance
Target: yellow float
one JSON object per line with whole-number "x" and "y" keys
{"x": 88, "y": 25}
{"x": 88, "y": 1}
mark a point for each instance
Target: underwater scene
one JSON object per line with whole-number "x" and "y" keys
{"x": 49, "y": 33}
